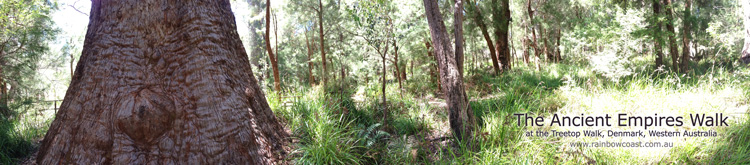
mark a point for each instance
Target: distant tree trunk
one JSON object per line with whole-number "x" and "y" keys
{"x": 686, "y": 37}
{"x": 383, "y": 78}
{"x": 534, "y": 44}
{"x": 383, "y": 58}
{"x": 547, "y": 51}
{"x": 4, "y": 110}
{"x": 526, "y": 50}
{"x": 395, "y": 64}
{"x": 163, "y": 83}
{"x": 510, "y": 46}
{"x": 657, "y": 33}
{"x": 458, "y": 19}
{"x": 461, "y": 116}
{"x": 333, "y": 69}
{"x": 433, "y": 68}
{"x": 672, "y": 41}
{"x": 502, "y": 20}
{"x": 558, "y": 54}
{"x": 480, "y": 22}
{"x": 274, "y": 62}
{"x": 411, "y": 70}
{"x": 309, "y": 60}
{"x": 72, "y": 64}
{"x": 322, "y": 42}
{"x": 343, "y": 73}
{"x": 745, "y": 56}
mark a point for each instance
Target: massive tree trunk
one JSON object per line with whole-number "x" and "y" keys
{"x": 745, "y": 56}
{"x": 657, "y": 33}
{"x": 274, "y": 62}
{"x": 163, "y": 83}
{"x": 480, "y": 22}
{"x": 322, "y": 42}
{"x": 502, "y": 20}
{"x": 671, "y": 35}
{"x": 686, "y": 37}
{"x": 461, "y": 116}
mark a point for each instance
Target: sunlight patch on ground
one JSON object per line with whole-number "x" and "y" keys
{"x": 643, "y": 99}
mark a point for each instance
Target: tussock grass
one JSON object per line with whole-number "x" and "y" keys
{"x": 572, "y": 90}
{"x": 324, "y": 122}
{"x": 19, "y": 135}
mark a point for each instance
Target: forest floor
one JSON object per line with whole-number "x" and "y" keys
{"x": 416, "y": 129}
{"x": 347, "y": 125}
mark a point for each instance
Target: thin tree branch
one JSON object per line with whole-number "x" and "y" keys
{"x": 76, "y": 9}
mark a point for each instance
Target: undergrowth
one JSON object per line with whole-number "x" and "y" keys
{"x": 352, "y": 125}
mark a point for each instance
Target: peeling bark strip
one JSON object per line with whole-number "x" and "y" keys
{"x": 461, "y": 116}
{"x": 163, "y": 82}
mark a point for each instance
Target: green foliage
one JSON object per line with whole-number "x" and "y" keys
{"x": 607, "y": 49}
{"x": 25, "y": 29}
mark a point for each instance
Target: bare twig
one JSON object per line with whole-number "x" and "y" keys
{"x": 74, "y": 8}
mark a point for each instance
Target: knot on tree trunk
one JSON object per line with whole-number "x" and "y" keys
{"x": 145, "y": 115}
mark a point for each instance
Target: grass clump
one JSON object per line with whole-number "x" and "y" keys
{"x": 19, "y": 135}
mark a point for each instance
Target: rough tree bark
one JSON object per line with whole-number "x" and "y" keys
{"x": 502, "y": 19}
{"x": 657, "y": 33}
{"x": 671, "y": 34}
{"x": 483, "y": 28}
{"x": 461, "y": 116}
{"x": 458, "y": 35}
{"x": 274, "y": 62}
{"x": 686, "y": 37}
{"x": 163, "y": 82}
